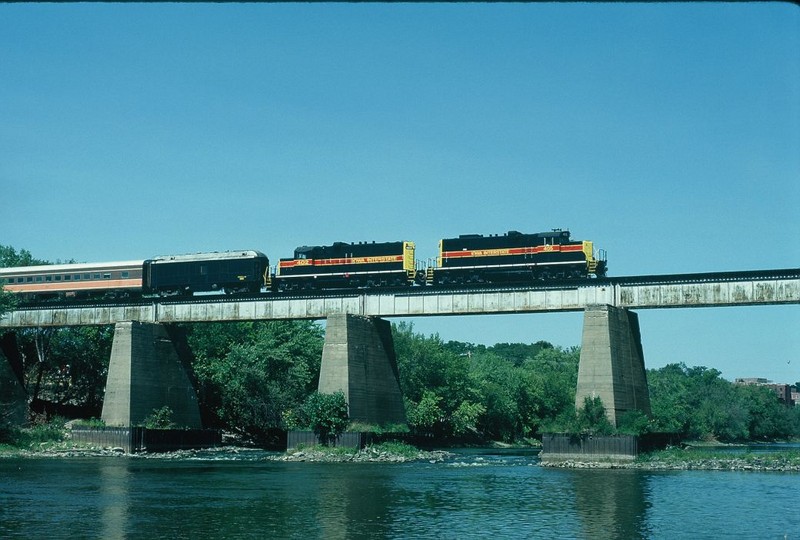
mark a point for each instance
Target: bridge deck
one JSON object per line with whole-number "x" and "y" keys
{"x": 645, "y": 292}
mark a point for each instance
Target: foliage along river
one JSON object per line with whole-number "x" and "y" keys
{"x": 476, "y": 494}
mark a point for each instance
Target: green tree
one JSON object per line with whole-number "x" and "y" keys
{"x": 500, "y": 386}
{"x": 697, "y": 403}
{"x": 768, "y": 418}
{"x": 250, "y": 373}
{"x": 7, "y": 301}
{"x": 433, "y": 378}
{"x": 9, "y": 257}
{"x": 160, "y": 419}
{"x": 592, "y": 418}
{"x": 67, "y": 366}
{"x": 327, "y": 415}
{"x": 426, "y": 415}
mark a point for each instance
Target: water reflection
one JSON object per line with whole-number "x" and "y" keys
{"x": 114, "y": 479}
{"x": 612, "y": 503}
{"x": 350, "y": 498}
{"x": 471, "y": 496}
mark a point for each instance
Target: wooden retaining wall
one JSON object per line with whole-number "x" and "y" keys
{"x": 140, "y": 439}
{"x": 349, "y": 439}
{"x": 557, "y": 446}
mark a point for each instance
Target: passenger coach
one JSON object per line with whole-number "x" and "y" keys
{"x": 86, "y": 280}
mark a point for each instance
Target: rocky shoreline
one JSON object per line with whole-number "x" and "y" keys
{"x": 731, "y": 464}
{"x": 366, "y": 455}
{"x": 766, "y": 463}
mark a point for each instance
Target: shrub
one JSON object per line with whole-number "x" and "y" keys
{"x": 160, "y": 419}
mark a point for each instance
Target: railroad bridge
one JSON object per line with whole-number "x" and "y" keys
{"x": 148, "y": 353}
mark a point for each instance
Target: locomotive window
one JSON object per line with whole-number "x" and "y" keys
{"x": 38, "y": 279}
{"x": 20, "y": 280}
{"x": 67, "y": 277}
{"x": 77, "y": 277}
{"x": 106, "y": 276}
{"x": 48, "y": 278}
{"x": 125, "y": 274}
{"x": 97, "y": 276}
{"x": 30, "y": 278}
{"x": 87, "y": 276}
{"x": 58, "y": 278}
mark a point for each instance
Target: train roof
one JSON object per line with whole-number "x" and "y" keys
{"x": 208, "y": 256}
{"x": 564, "y": 233}
{"x": 74, "y": 267}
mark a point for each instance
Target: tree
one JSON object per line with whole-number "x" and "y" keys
{"x": 67, "y": 366}
{"x": 697, "y": 403}
{"x": 434, "y": 380}
{"x": 592, "y": 418}
{"x": 7, "y": 301}
{"x": 250, "y": 373}
{"x": 327, "y": 415}
{"x": 10, "y": 258}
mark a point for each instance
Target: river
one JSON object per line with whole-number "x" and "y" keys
{"x": 476, "y": 494}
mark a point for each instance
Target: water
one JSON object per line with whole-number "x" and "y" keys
{"x": 475, "y": 495}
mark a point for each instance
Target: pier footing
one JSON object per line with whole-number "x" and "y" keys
{"x": 148, "y": 371}
{"x": 358, "y": 358}
{"x": 612, "y": 362}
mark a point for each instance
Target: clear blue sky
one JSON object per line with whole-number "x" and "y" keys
{"x": 669, "y": 134}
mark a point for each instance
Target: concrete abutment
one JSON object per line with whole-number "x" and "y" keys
{"x": 612, "y": 362}
{"x": 148, "y": 370}
{"x": 358, "y": 358}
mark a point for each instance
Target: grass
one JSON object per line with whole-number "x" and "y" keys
{"x": 391, "y": 448}
{"x": 39, "y": 436}
{"x": 679, "y": 455}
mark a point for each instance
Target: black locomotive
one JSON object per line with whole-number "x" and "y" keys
{"x": 345, "y": 265}
{"x": 513, "y": 257}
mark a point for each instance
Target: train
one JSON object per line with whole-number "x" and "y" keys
{"x": 512, "y": 258}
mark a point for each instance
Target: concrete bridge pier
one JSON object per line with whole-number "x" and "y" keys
{"x": 147, "y": 371}
{"x": 13, "y": 398}
{"x": 358, "y": 358}
{"x": 612, "y": 362}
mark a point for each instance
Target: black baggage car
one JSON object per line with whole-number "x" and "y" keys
{"x": 228, "y": 271}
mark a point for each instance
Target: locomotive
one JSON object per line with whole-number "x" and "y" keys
{"x": 510, "y": 258}
{"x": 344, "y": 265}
{"x": 513, "y": 258}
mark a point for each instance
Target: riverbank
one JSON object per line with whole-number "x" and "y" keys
{"x": 382, "y": 453}
{"x": 667, "y": 460}
{"x": 694, "y": 459}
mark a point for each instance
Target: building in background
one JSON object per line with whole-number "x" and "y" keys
{"x": 787, "y": 394}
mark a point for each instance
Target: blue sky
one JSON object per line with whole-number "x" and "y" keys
{"x": 666, "y": 133}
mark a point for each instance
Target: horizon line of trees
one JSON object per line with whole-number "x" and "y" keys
{"x": 259, "y": 378}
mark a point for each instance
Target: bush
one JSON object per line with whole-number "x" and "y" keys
{"x": 160, "y": 419}
{"x": 324, "y": 414}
